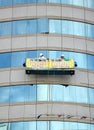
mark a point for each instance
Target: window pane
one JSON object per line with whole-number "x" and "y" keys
{"x": 72, "y": 90}
{"x": 42, "y": 25}
{"x": 31, "y": 92}
{"x": 90, "y": 4}
{"x": 32, "y": 26}
{"x": 90, "y": 59}
{"x": 4, "y": 94}
{"x": 67, "y": 27}
{"x": 5, "y": 28}
{"x": 16, "y": 125}
{"x": 18, "y": 58}
{"x": 81, "y": 60}
{"x": 82, "y": 95}
{"x": 45, "y": 53}
{"x": 79, "y": 28}
{"x": 54, "y": 54}
{"x": 32, "y": 54}
{"x": 42, "y": 125}
{"x": 4, "y": 126}
{"x": 91, "y": 95}
{"x": 17, "y": 94}
{"x": 56, "y": 125}
{"x": 41, "y": 1}
{"x": 30, "y": 125}
{"x": 20, "y": 1}
{"x": 54, "y": 1}
{"x": 82, "y": 126}
{"x": 5, "y": 2}
{"x": 42, "y": 93}
{"x": 20, "y": 27}
{"x": 55, "y": 26}
{"x": 56, "y": 92}
{"x": 90, "y": 30}
{"x": 6, "y": 62}
{"x": 78, "y": 2}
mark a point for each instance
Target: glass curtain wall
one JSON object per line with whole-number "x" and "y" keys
{"x": 45, "y": 92}
{"x": 46, "y": 125}
{"x": 45, "y": 25}
{"x": 82, "y": 3}
{"x": 16, "y": 59}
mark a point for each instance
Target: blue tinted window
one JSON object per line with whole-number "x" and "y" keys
{"x": 90, "y": 3}
{"x": 70, "y": 125}
{"x": 42, "y": 25}
{"x": 17, "y": 94}
{"x": 5, "y": 28}
{"x": 81, "y": 60}
{"x": 56, "y": 93}
{"x": 71, "y": 94}
{"x": 85, "y": 3}
{"x": 4, "y": 94}
{"x": 6, "y": 62}
{"x": 16, "y": 125}
{"x": 45, "y": 53}
{"x": 54, "y": 54}
{"x": 20, "y": 27}
{"x": 79, "y": 28}
{"x": 82, "y": 126}
{"x": 18, "y": 58}
{"x": 32, "y": 26}
{"x": 82, "y": 95}
{"x": 32, "y": 1}
{"x": 67, "y": 27}
{"x": 54, "y": 1}
{"x": 42, "y": 93}
{"x": 78, "y": 2}
{"x": 41, "y": 1}
{"x": 42, "y": 125}
{"x": 30, "y": 92}
{"x": 66, "y": 1}
{"x": 55, "y": 26}
{"x": 91, "y": 95}
{"x": 50, "y": 125}
{"x": 5, "y": 2}
{"x": 90, "y": 30}
{"x": 90, "y": 59}
{"x": 32, "y": 54}
{"x": 20, "y": 1}
{"x": 55, "y": 125}
{"x": 30, "y": 125}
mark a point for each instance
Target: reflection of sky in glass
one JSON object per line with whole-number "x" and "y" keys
{"x": 5, "y": 63}
{"x": 45, "y": 92}
{"x": 18, "y": 58}
{"x": 42, "y": 92}
{"x": 45, "y": 25}
{"x": 4, "y": 94}
{"x": 49, "y": 125}
{"x": 17, "y": 94}
{"x": 86, "y": 3}
{"x": 17, "y": 126}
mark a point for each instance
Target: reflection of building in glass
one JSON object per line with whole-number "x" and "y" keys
{"x": 50, "y": 100}
{"x": 4, "y": 126}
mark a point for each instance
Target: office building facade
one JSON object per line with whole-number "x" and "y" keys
{"x": 46, "y": 102}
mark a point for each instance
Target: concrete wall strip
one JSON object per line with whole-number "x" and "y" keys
{"x": 47, "y": 10}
